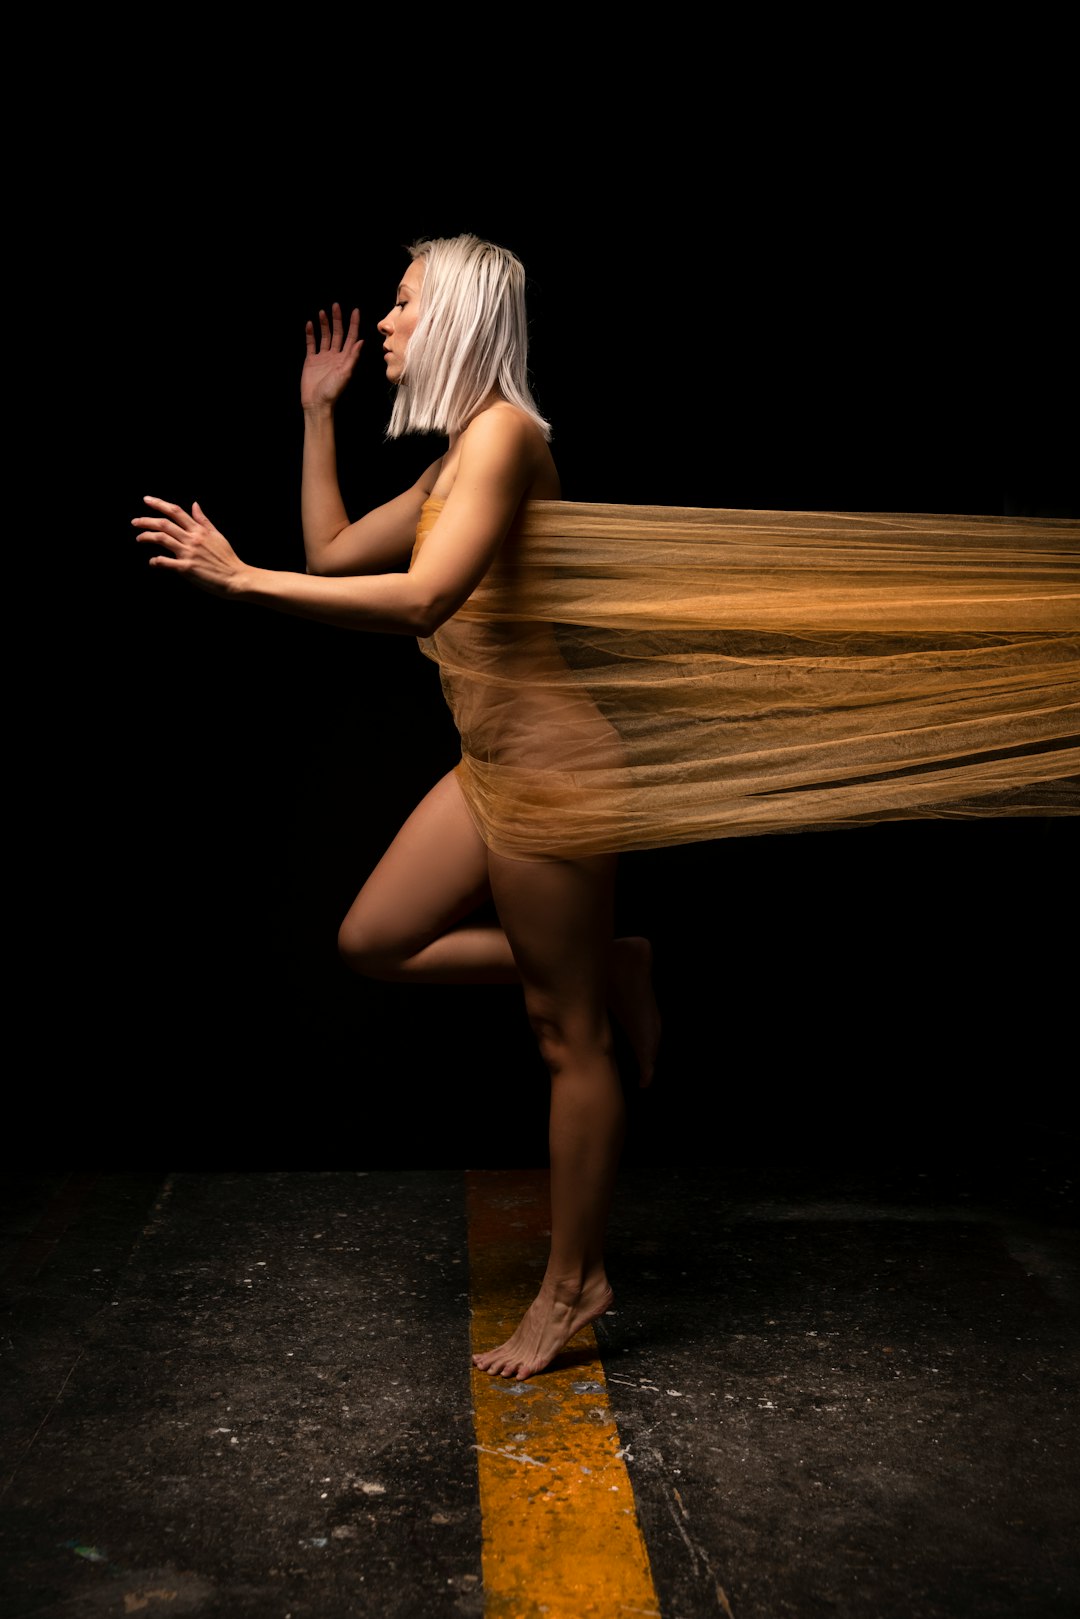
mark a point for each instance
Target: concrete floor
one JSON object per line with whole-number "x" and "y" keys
{"x": 247, "y": 1393}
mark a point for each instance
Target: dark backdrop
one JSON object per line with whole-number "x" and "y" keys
{"x": 829, "y": 329}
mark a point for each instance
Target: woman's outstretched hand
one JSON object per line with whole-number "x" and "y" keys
{"x": 331, "y": 358}
{"x": 196, "y": 548}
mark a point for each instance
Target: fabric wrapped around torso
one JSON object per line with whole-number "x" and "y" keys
{"x": 632, "y": 677}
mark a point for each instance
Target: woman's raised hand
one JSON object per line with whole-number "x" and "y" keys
{"x": 196, "y": 547}
{"x": 331, "y": 358}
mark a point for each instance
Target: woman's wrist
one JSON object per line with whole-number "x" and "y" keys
{"x": 242, "y": 585}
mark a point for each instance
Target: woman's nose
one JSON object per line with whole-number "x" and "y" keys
{"x": 384, "y": 325}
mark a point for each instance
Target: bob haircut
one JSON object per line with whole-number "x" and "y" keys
{"x": 470, "y": 340}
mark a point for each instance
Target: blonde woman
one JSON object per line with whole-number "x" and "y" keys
{"x": 454, "y": 344}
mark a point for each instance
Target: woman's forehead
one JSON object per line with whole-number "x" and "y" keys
{"x": 413, "y": 278}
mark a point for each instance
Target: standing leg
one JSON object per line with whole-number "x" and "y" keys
{"x": 408, "y": 923}
{"x": 558, "y": 919}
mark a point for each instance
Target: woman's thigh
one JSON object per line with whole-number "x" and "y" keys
{"x": 432, "y": 875}
{"x": 559, "y": 918}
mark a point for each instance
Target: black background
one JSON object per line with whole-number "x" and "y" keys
{"x": 818, "y": 294}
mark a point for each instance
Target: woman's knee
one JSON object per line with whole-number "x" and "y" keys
{"x": 367, "y": 951}
{"x": 567, "y": 1034}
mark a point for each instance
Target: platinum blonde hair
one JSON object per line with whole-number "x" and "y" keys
{"x": 471, "y": 339}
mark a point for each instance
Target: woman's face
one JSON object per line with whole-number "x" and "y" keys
{"x": 397, "y": 326}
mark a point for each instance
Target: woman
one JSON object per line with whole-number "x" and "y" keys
{"x": 454, "y": 345}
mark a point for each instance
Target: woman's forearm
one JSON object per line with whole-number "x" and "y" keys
{"x": 390, "y": 603}
{"x": 322, "y": 511}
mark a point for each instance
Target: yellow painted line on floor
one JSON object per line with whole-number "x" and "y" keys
{"x": 561, "y": 1539}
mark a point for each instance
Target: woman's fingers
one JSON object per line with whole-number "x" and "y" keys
{"x": 334, "y": 337}
{"x": 194, "y": 546}
{"x": 346, "y": 339}
{"x": 176, "y": 513}
{"x": 173, "y": 525}
{"x": 159, "y": 531}
{"x": 171, "y": 542}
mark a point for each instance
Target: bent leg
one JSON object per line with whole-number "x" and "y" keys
{"x": 404, "y": 923}
{"x": 558, "y": 918}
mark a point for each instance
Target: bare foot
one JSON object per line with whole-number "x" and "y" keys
{"x": 633, "y": 1001}
{"x": 552, "y": 1319}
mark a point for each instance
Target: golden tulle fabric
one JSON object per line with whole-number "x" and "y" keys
{"x": 630, "y": 677}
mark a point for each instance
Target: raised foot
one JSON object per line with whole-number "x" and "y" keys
{"x": 632, "y": 1001}
{"x": 552, "y": 1319}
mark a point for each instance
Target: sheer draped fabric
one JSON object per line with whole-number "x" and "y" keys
{"x": 633, "y": 677}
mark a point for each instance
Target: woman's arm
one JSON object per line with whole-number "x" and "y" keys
{"x": 498, "y": 454}
{"x": 380, "y": 540}
{"x": 332, "y": 545}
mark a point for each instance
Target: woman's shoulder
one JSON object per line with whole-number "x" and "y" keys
{"x": 509, "y": 440}
{"x": 502, "y": 423}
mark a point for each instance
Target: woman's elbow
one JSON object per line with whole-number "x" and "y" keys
{"x": 426, "y": 615}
